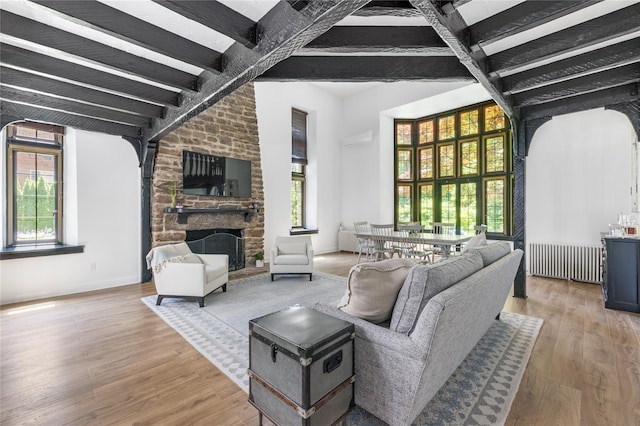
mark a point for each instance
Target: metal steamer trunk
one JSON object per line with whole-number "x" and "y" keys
{"x": 301, "y": 367}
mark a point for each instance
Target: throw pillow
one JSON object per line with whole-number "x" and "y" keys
{"x": 424, "y": 282}
{"x": 182, "y": 249}
{"x": 292, "y": 248}
{"x": 479, "y": 240}
{"x": 191, "y": 258}
{"x": 372, "y": 288}
{"x": 493, "y": 252}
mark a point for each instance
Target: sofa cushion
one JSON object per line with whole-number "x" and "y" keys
{"x": 479, "y": 240}
{"x": 492, "y": 252}
{"x": 424, "y": 282}
{"x": 292, "y": 248}
{"x": 372, "y": 288}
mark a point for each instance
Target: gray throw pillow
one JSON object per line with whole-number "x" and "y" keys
{"x": 424, "y": 282}
{"x": 492, "y": 252}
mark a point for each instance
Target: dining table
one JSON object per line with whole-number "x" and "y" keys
{"x": 443, "y": 241}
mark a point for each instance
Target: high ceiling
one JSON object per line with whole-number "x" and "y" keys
{"x": 140, "y": 68}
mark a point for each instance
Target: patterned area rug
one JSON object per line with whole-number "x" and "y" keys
{"x": 479, "y": 392}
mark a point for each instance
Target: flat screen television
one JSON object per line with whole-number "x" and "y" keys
{"x": 204, "y": 174}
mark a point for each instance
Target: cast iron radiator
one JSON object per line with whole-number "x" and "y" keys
{"x": 570, "y": 262}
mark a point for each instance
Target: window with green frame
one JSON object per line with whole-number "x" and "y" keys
{"x": 455, "y": 167}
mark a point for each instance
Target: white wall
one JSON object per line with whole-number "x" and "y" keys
{"x": 102, "y": 212}
{"x": 579, "y": 176}
{"x": 273, "y": 105}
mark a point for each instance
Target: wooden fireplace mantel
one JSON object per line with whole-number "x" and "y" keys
{"x": 184, "y": 212}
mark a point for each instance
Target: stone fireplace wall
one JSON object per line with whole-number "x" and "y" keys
{"x": 229, "y": 129}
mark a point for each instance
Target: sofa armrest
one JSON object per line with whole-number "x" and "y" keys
{"x": 377, "y": 335}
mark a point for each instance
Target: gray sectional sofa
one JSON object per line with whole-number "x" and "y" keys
{"x": 441, "y": 312}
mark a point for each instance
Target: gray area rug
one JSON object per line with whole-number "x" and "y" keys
{"x": 480, "y": 391}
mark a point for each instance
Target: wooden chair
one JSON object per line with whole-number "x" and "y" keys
{"x": 365, "y": 245}
{"x": 382, "y": 245}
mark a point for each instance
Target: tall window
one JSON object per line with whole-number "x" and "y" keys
{"x": 34, "y": 184}
{"x": 455, "y": 167}
{"x": 298, "y": 167}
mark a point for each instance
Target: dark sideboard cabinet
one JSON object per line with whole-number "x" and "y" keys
{"x": 621, "y": 273}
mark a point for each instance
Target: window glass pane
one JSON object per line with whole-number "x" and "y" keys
{"x": 447, "y": 127}
{"x": 35, "y": 196}
{"x": 426, "y": 204}
{"x": 404, "y": 203}
{"x": 494, "y": 154}
{"x": 468, "y": 206}
{"x": 425, "y": 131}
{"x": 404, "y": 165}
{"x": 297, "y": 187}
{"x": 426, "y": 163}
{"x": 446, "y": 160}
{"x": 494, "y": 198}
{"x": 469, "y": 123}
{"x": 403, "y": 133}
{"x": 469, "y": 157}
{"x": 297, "y": 168}
{"x": 448, "y": 203}
{"x": 493, "y": 118}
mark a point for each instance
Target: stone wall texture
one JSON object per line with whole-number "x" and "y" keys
{"x": 229, "y": 129}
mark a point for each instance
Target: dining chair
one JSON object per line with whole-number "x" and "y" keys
{"x": 365, "y": 245}
{"x": 412, "y": 247}
{"x": 481, "y": 229}
{"x": 443, "y": 228}
{"x": 383, "y": 245}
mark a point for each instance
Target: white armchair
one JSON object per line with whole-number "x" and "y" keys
{"x": 177, "y": 272}
{"x": 292, "y": 255}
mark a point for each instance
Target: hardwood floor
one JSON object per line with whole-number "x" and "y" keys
{"x": 104, "y": 358}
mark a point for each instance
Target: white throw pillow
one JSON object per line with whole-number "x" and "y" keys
{"x": 372, "y": 288}
{"x": 292, "y": 248}
{"x": 479, "y": 240}
{"x": 191, "y": 258}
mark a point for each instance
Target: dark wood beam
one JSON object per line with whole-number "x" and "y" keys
{"x": 522, "y": 17}
{"x": 359, "y": 39}
{"x": 453, "y": 31}
{"x": 71, "y": 106}
{"x": 96, "y": 15}
{"x": 599, "y": 99}
{"x": 21, "y": 79}
{"x": 367, "y": 68}
{"x": 607, "y": 27}
{"x": 284, "y": 30}
{"x": 610, "y": 56}
{"x": 632, "y": 111}
{"x": 65, "y": 119}
{"x": 36, "y": 62}
{"x": 45, "y": 35}
{"x": 216, "y": 16}
{"x": 588, "y": 83}
{"x": 148, "y": 157}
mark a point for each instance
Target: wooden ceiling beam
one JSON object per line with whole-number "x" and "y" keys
{"x": 216, "y": 16}
{"x": 48, "y": 65}
{"x": 18, "y": 78}
{"x": 453, "y": 31}
{"x": 283, "y": 31}
{"x": 601, "y": 98}
{"x": 96, "y": 15}
{"x": 367, "y": 68}
{"x": 358, "y": 39}
{"x": 597, "y": 30}
{"x": 16, "y": 95}
{"x": 26, "y": 29}
{"x": 522, "y": 17}
{"x": 596, "y": 60}
{"x": 588, "y": 83}
{"x": 31, "y": 112}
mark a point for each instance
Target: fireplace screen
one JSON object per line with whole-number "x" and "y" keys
{"x": 221, "y": 243}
